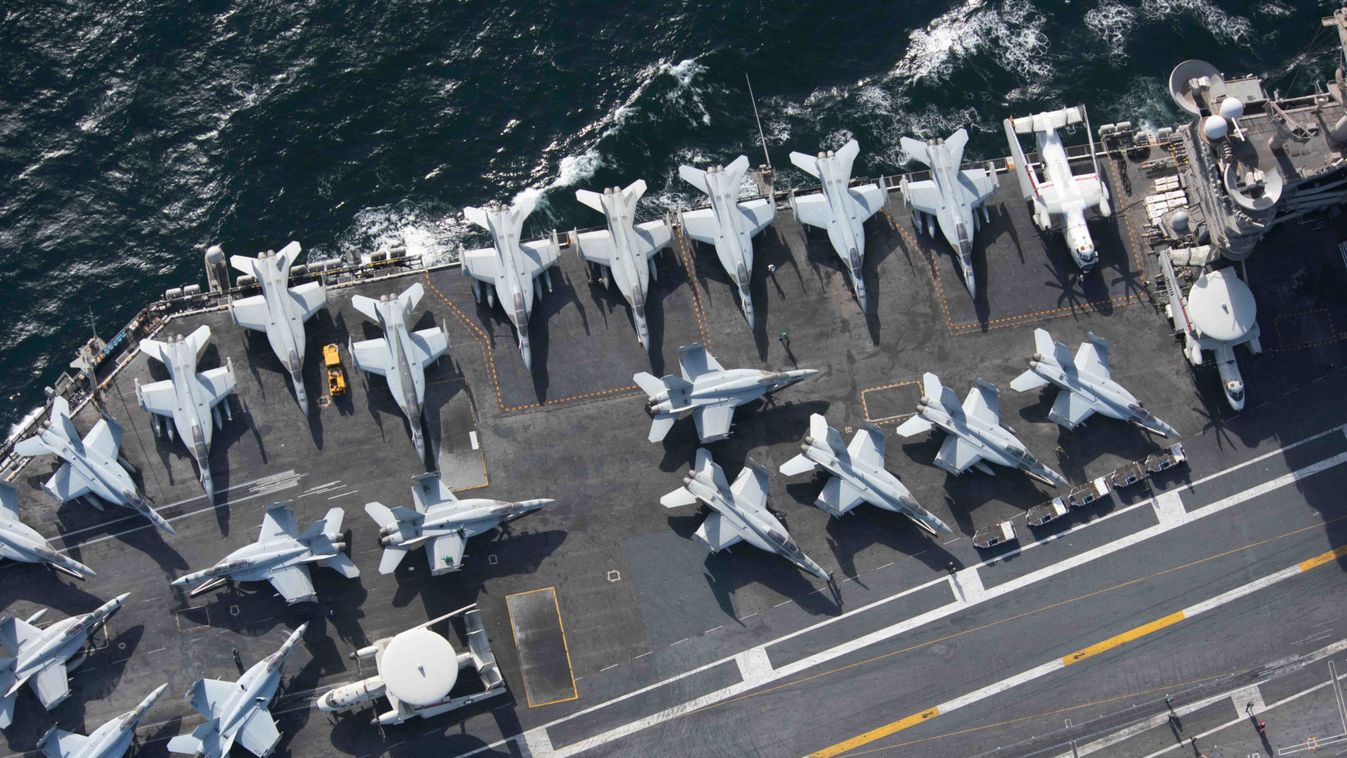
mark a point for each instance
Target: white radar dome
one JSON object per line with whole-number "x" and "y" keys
{"x": 1215, "y": 127}
{"x": 1180, "y": 221}
{"x": 419, "y": 667}
{"x": 1232, "y": 108}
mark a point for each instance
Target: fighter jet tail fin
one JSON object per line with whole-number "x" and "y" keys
{"x": 590, "y": 198}
{"x": 847, "y": 156}
{"x": 411, "y": 297}
{"x": 696, "y": 177}
{"x": 367, "y": 306}
{"x": 430, "y": 489}
{"x": 916, "y": 150}
{"x": 634, "y": 191}
{"x": 955, "y": 143}
{"x": 198, "y": 339}
{"x": 477, "y": 216}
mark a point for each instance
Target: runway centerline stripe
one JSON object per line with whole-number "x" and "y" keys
{"x": 1118, "y": 640}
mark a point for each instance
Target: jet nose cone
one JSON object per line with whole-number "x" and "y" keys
{"x": 180, "y": 581}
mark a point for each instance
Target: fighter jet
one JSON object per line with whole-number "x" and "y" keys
{"x": 20, "y": 542}
{"x": 857, "y": 475}
{"x": 400, "y": 356}
{"x": 951, "y": 197}
{"x": 192, "y": 400}
{"x": 280, "y": 311}
{"x": 91, "y": 467}
{"x": 39, "y": 656}
{"x": 1085, "y": 385}
{"x": 740, "y": 512}
{"x": 509, "y": 266}
{"x": 840, "y": 208}
{"x": 627, "y": 249}
{"x": 281, "y": 556}
{"x": 1059, "y": 192}
{"x": 237, "y": 710}
{"x": 709, "y": 391}
{"x": 728, "y": 224}
{"x": 441, "y": 524}
{"x": 975, "y": 432}
{"x": 111, "y": 740}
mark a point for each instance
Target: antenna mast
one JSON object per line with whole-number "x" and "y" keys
{"x": 757, "y": 118}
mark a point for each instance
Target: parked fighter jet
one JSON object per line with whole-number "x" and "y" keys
{"x": 510, "y": 266}
{"x": 280, "y": 311}
{"x": 627, "y": 249}
{"x": 728, "y": 224}
{"x": 709, "y": 391}
{"x": 740, "y": 512}
{"x": 111, "y": 740}
{"x": 400, "y": 356}
{"x": 951, "y": 197}
{"x": 840, "y": 208}
{"x": 20, "y": 542}
{"x": 441, "y": 524}
{"x": 281, "y": 556}
{"x": 91, "y": 465}
{"x": 857, "y": 475}
{"x": 39, "y": 656}
{"x": 975, "y": 432}
{"x": 1085, "y": 385}
{"x": 1059, "y": 193}
{"x": 237, "y": 710}
{"x": 190, "y": 399}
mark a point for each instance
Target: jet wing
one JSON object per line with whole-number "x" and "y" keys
{"x": 924, "y": 196}
{"x": 67, "y": 484}
{"x": 293, "y": 583}
{"x": 695, "y": 361}
{"x": 714, "y": 420}
{"x": 208, "y": 696}
{"x": 867, "y": 447}
{"x": 538, "y": 255}
{"x": 598, "y": 248}
{"x": 219, "y": 382}
{"x": 429, "y": 344}
{"x": 977, "y": 185}
{"x": 717, "y": 533}
{"x": 310, "y": 298}
{"x": 814, "y": 210}
{"x": 750, "y": 487}
{"x": 701, "y": 225}
{"x": 758, "y": 213}
{"x": 446, "y": 553}
{"x": 259, "y": 734}
{"x": 870, "y": 197}
{"x": 1090, "y": 189}
{"x": 371, "y": 356}
{"x": 983, "y": 404}
{"x": 1092, "y": 358}
{"x": 1070, "y": 409}
{"x": 654, "y": 236}
{"x": 105, "y": 438}
{"x": 62, "y": 744}
{"x": 482, "y": 265}
{"x": 251, "y": 312}
{"x": 839, "y": 496}
{"x": 159, "y": 398}
{"x": 278, "y": 522}
{"x": 52, "y": 684}
{"x": 957, "y": 454}
{"x": 9, "y": 502}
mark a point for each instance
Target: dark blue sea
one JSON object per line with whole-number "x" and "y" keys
{"x": 133, "y": 135}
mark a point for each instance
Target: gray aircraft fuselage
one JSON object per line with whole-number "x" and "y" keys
{"x": 846, "y": 229}
{"x": 742, "y": 386}
{"x": 467, "y": 518}
{"x": 734, "y": 242}
{"x": 992, "y": 442}
{"x": 285, "y": 320}
{"x": 114, "y": 737}
{"x": 1104, "y": 395}
{"x": 879, "y": 487}
{"x": 630, "y": 273}
{"x": 62, "y": 640}
{"x": 194, "y": 417}
{"x": 512, "y": 282}
{"x": 758, "y": 526}
{"x": 20, "y": 542}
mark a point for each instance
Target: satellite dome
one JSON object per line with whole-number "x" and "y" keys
{"x": 1180, "y": 221}
{"x": 1215, "y": 127}
{"x": 1232, "y": 108}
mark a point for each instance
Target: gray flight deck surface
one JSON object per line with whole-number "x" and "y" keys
{"x": 638, "y": 600}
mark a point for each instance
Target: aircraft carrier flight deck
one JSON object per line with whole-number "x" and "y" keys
{"x": 618, "y": 634}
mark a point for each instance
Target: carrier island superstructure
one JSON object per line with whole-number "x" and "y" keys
{"x": 666, "y": 614}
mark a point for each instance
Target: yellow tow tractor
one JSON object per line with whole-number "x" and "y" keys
{"x": 336, "y": 375}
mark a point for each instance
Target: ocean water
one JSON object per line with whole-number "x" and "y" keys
{"x": 133, "y": 135}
